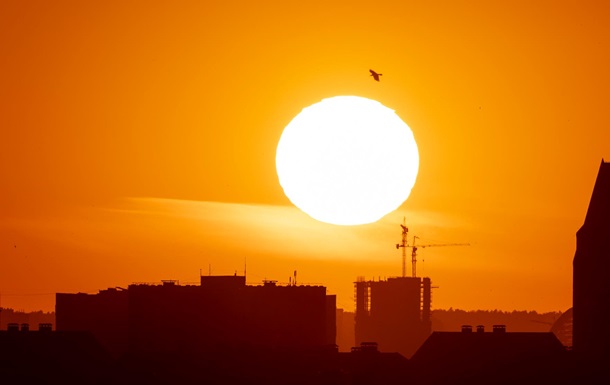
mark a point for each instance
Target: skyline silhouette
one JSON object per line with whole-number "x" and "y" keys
{"x": 151, "y": 333}
{"x": 152, "y": 220}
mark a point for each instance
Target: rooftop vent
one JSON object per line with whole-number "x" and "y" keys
{"x": 466, "y": 329}
{"x": 499, "y": 328}
{"x": 366, "y": 347}
{"x": 45, "y": 327}
{"x": 480, "y": 329}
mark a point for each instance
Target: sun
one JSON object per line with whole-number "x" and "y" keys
{"x": 347, "y": 160}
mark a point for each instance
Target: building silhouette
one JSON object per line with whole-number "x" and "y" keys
{"x": 591, "y": 269}
{"x": 8, "y": 315}
{"x": 394, "y": 313}
{"x": 483, "y": 357}
{"x": 220, "y": 314}
{"x": 345, "y": 330}
{"x": 45, "y": 356}
{"x": 104, "y": 314}
{"x": 562, "y": 328}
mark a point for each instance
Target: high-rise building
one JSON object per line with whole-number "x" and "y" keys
{"x": 591, "y": 283}
{"x": 394, "y": 313}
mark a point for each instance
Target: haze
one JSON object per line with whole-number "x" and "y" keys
{"x": 138, "y": 142}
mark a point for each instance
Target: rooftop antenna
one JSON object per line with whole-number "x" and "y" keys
{"x": 295, "y": 278}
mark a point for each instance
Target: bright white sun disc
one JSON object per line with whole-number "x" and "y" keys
{"x": 347, "y": 160}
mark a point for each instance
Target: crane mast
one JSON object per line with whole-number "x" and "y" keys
{"x": 404, "y": 244}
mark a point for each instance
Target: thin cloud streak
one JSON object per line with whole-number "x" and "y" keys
{"x": 284, "y": 230}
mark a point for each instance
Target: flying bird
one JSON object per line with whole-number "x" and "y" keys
{"x": 375, "y": 75}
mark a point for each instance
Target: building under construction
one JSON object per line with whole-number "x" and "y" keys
{"x": 394, "y": 313}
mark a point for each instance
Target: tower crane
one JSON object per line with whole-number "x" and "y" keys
{"x": 404, "y": 244}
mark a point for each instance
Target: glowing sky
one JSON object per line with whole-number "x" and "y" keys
{"x": 138, "y": 141}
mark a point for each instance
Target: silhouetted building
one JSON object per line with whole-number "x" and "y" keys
{"x": 44, "y": 356}
{"x": 591, "y": 291}
{"x": 345, "y": 330}
{"x": 394, "y": 313}
{"x": 563, "y": 327}
{"x": 104, "y": 314}
{"x": 481, "y": 357}
{"x": 221, "y": 314}
{"x": 8, "y": 315}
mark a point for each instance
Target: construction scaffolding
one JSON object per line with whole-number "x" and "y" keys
{"x": 393, "y": 312}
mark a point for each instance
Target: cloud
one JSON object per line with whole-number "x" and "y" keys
{"x": 283, "y": 231}
{"x": 148, "y": 239}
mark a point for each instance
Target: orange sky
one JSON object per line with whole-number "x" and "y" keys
{"x": 138, "y": 142}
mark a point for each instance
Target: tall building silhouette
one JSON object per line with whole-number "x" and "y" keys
{"x": 220, "y": 314}
{"x": 394, "y": 313}
{"x": 591, "y": 269}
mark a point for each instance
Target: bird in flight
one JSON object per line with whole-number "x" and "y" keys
{"x": 375, "y": 75}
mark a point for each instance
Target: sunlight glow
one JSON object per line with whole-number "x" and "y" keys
{"x": 347, "y": 160}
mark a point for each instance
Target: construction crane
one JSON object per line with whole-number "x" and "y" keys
{"x": 404, "y": 244}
